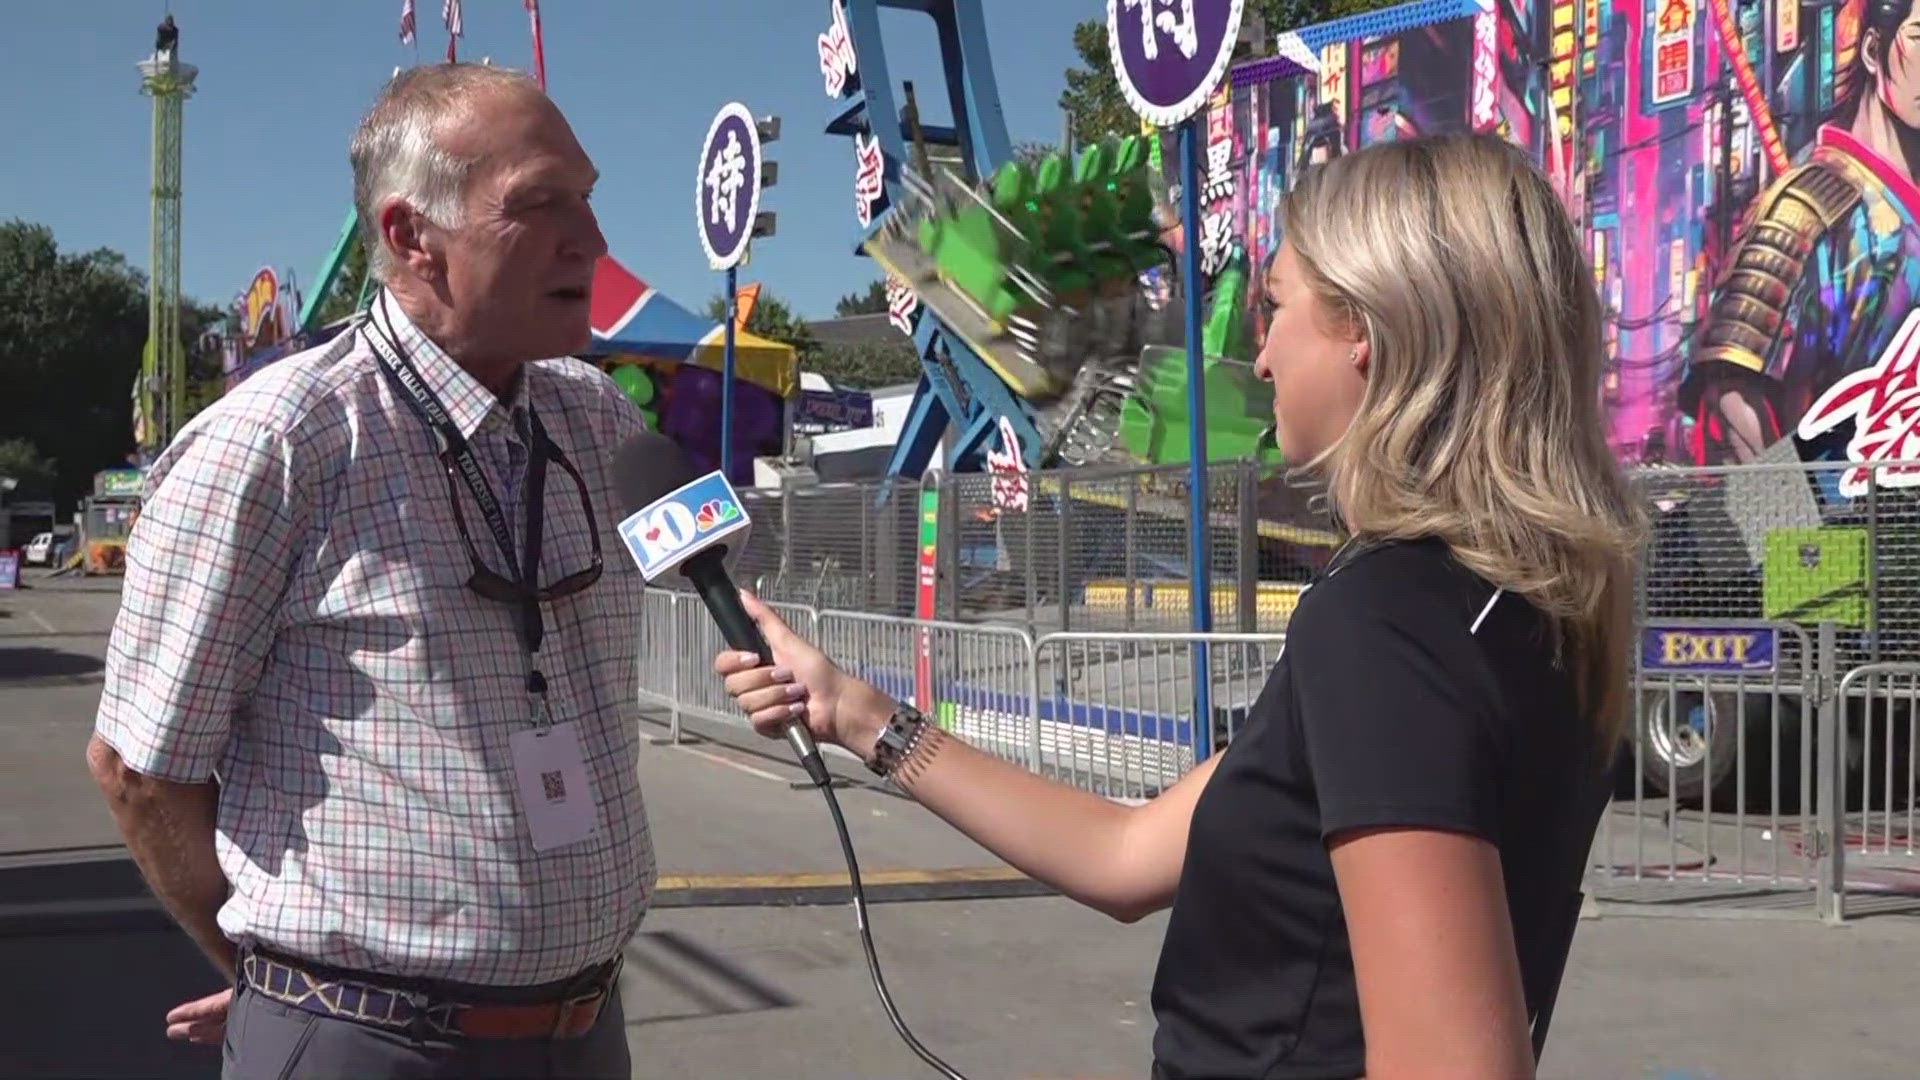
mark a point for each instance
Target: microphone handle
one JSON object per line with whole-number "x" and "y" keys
{"x": 708, "y": 572}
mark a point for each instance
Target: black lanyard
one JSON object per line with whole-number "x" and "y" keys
{"x": 400, "y": 371}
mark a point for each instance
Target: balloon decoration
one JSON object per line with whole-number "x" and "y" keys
{"x": 682, "y": 401}
{"x": 634, "y": 382}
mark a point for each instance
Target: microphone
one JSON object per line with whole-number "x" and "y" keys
{"x": 678, "y": 519}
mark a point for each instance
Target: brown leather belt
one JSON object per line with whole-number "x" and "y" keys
{"x": 364, "y": 1001}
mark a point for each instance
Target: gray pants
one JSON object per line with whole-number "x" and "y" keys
{"x": 268, "y": 1040}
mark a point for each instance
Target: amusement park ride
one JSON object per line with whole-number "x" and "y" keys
{"x": 1034, "y": 276}
{"x": 160, "y": 396}
{"x": 1049, "y": 293}
{"x": 1049, "y": 301}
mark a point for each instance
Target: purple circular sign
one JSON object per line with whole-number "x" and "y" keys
{"x": 1169, "y": 55}
{"x": 727, "y": 191}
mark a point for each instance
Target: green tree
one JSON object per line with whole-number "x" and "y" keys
{"x": 774, "y": 320}
{"x": 28, "y": 468}
{"x": 1031, "y": 154}
{"x": 866, "y": 364}
{"x": 343, "y": 297}
{"x": 72, "y": 330}
{"x": 871, "y": 302}
{"x": 1095, "y": 107}
{"x": 203, "y": 328}
{"x": 1279, "y": 16}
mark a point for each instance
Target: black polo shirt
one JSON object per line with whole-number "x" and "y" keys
{"x": 1411, "y": 692}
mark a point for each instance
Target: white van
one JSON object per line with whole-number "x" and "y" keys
{"x": 40, "y": 549}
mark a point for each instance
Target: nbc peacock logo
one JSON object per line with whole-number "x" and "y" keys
{"x": 715, "y": 513}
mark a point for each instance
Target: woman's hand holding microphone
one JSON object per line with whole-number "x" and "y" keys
{"x": 804, "y": 685}
{"x": 1085, "y": 845}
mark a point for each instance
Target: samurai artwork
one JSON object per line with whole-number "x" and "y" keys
{"x": 1824, "y": 279}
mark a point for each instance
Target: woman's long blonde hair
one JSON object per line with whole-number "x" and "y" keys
{"x": 1481, "y": 422}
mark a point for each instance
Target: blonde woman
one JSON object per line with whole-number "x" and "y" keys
{"x": 1380, "y": 875}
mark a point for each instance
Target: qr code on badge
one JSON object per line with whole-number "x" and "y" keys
{"x": 555, "y": 786}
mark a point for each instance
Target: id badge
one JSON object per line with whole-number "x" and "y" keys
{"x": 554, "y": 789}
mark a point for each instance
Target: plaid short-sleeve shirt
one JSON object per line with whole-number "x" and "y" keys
{"x": 296, "y": 623}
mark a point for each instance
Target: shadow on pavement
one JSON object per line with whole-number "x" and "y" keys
{"x": 105, "y": 964}
{"x": 98, "y": 965}
{"x": 672, "y": 977}
{"x": 33, "y": 661}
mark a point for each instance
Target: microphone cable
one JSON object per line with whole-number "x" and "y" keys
{"x": 817, "y": 770}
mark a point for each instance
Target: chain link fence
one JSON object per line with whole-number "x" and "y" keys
{"x": 1093, "y": 549}
{"x": 1798, "y": 543}
{"x": 1106, "y": 549}
{"x": 846, "y": 546}
{"x": 1774, "y": 755}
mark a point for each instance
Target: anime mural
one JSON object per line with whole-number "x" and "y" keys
{"x": 1743, "y": 171}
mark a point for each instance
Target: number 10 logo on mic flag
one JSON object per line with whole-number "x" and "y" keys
{"x": 685, "y": 522}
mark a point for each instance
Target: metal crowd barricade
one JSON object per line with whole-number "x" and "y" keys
{"x": 1113, "y": 713}
{"x": 1108, "y": 713}
{"x": 975, "y": 680}
{"x": 1795, "y": 769}
{"x": 1722, "y": 773}
{"x": 678, "y": 642}
{"x": 1873, "y": 819}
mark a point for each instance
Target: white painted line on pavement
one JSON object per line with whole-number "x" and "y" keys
{"x": 42, "y": 620}
{"x": 731, "y": 764}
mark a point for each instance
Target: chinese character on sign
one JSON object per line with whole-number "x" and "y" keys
{"x": 1786, "y": 28}
{"x": 1220, "y": 116}
{"x": 1672, "y": 64}
{"x": 1216, "y": 241}
{"x": 725, "y": 177}
{"x": 868, "y": 177}
{"x": 1883, "y": 402}
{"x": 836, "y": 53}
{"x": 902, "y": 303}
{"x": 1158, "y": 17}
{"x": 1009, "y": 469}
{"x": 1219, "y": 185}
{"x": 1673, "y": 51}
{"x": 1676, "y": 17}
{"x": 1486, "y": 44}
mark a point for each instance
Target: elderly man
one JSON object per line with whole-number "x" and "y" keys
{"x": 369, "y": 725}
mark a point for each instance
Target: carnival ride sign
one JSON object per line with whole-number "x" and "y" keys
{"x": 727, "y": 189}
{"x": 260, "y": 307}
{"x": 1217, "y": 187}
{"x": 1169, "y": 55}
{"x": 903, "y": 305}
{"x": 869, "y": 178}
{"x": 838, "y": 66}
{"x": 1486, "y": 70}
{"x": 1709, "y": 649}
{"x": 1011, "y": 489}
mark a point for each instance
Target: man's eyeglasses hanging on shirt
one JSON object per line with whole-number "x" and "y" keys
{"x": 523, "y": 590}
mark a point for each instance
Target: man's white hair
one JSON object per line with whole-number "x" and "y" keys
{"x": 395, "y": 151}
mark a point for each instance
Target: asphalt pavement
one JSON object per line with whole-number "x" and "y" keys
{"x": 751, "y": 963}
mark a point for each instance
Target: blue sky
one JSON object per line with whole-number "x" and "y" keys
{"x": 282, "y": 83}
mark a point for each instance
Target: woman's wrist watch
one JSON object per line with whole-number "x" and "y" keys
{"x": 897, "y": 741}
